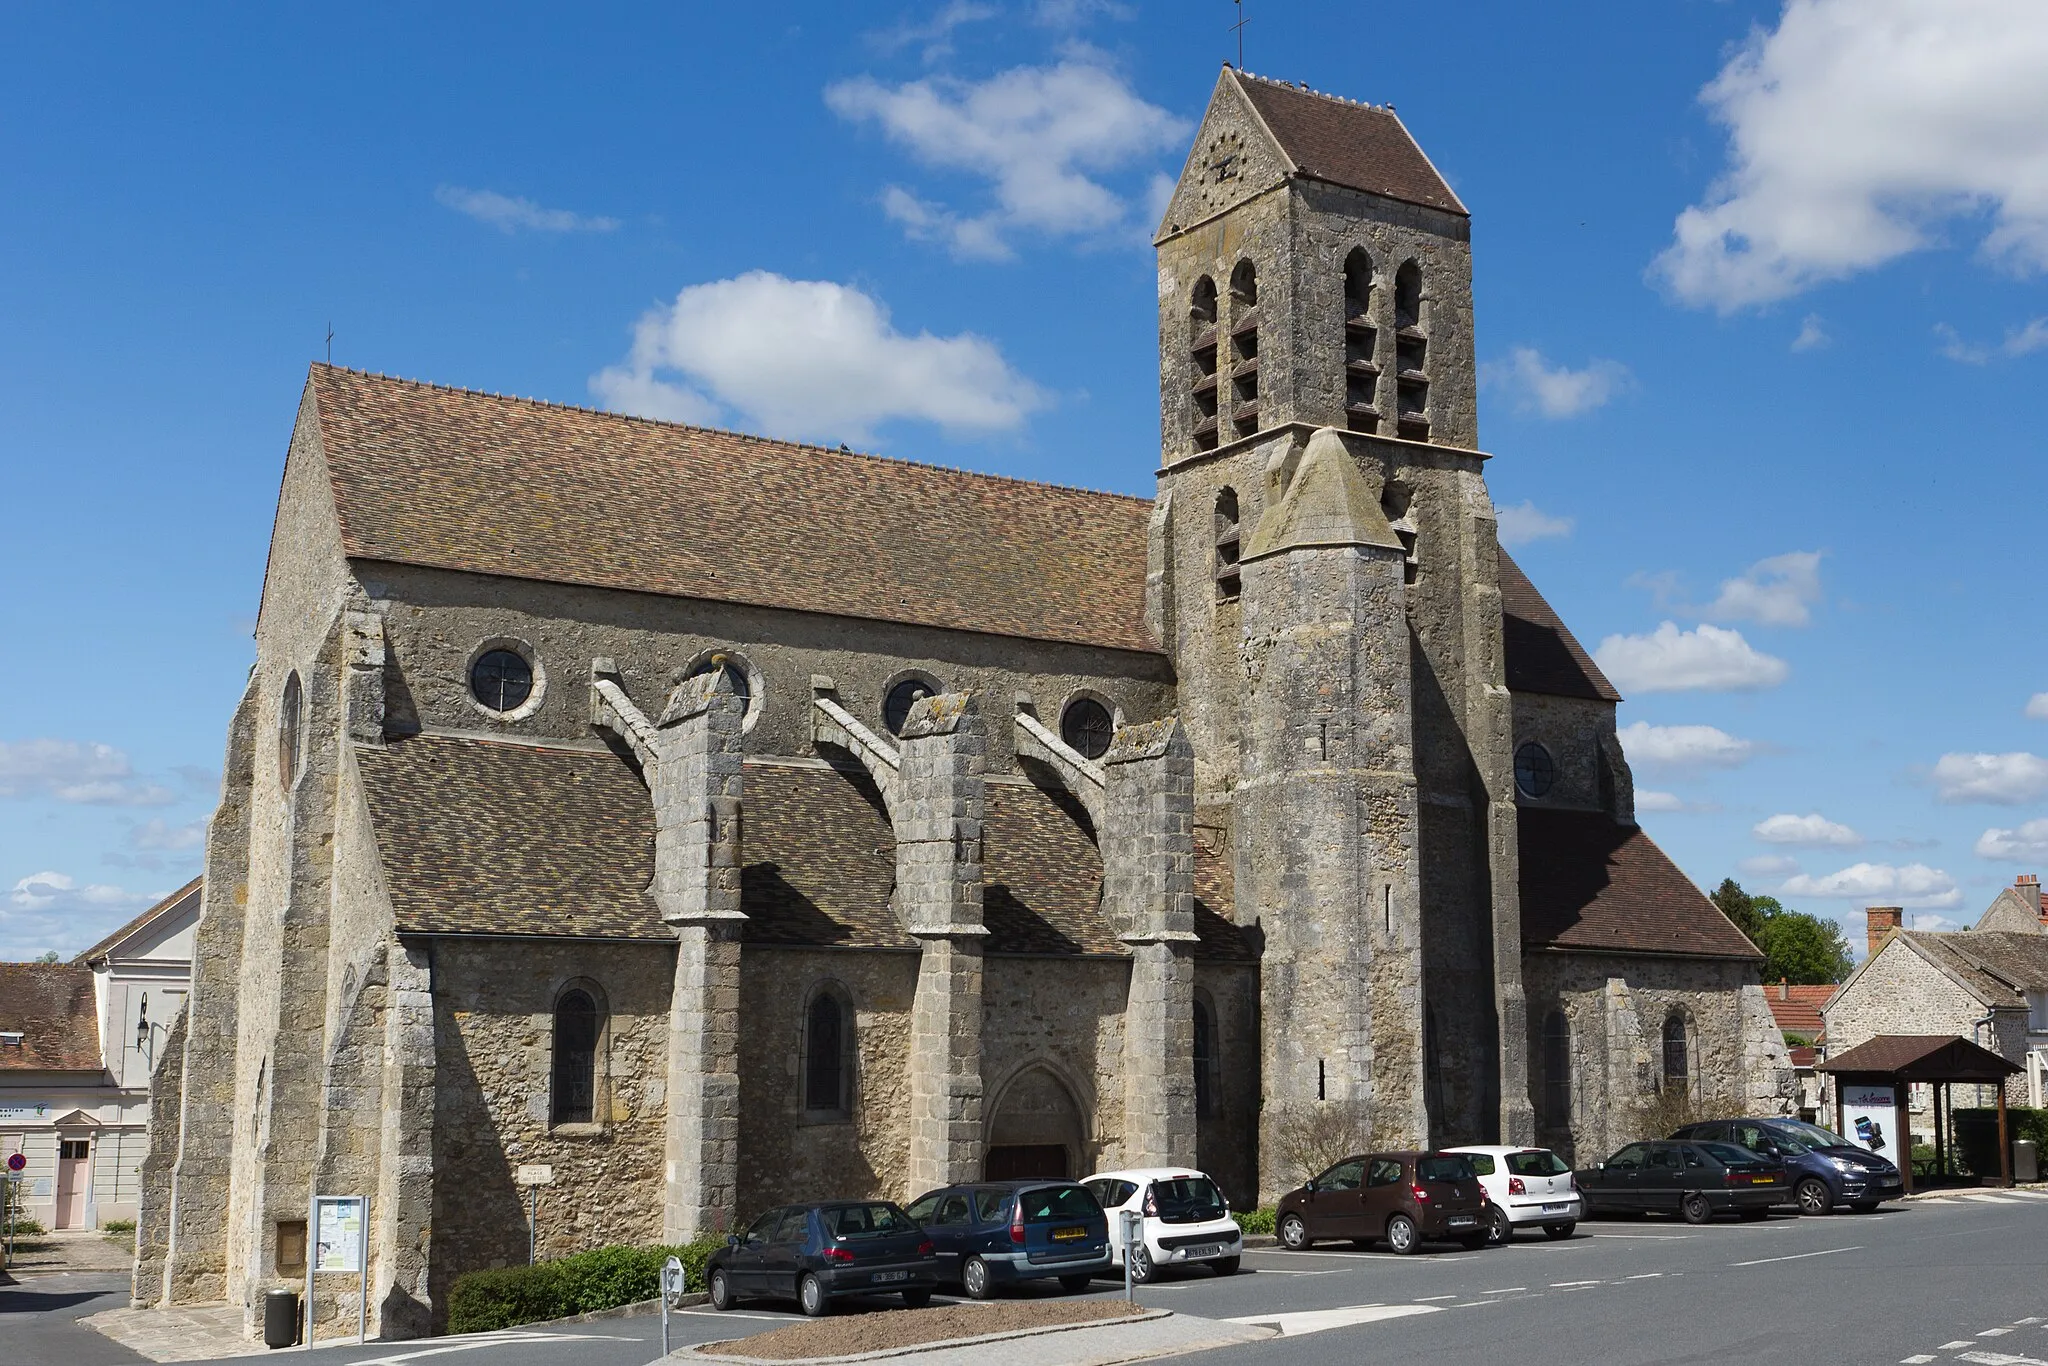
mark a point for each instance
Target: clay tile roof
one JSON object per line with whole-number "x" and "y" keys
{"x": 1542, "y": 655}
{"x": 1999, "y": 967}
{"x": 164, "y": 907}
{"x": 52, "y": 1006}
{"x": 468, "y": 481}
{"x": 1355, "y": 145}
{"x": 1922, "y": 1057}
{"x": 1798, "y": 1011}
{"x": 1589, "y": 883}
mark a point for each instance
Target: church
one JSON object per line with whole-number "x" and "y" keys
{"x": 717, "y": 821}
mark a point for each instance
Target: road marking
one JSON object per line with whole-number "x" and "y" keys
{"x": 1506, "y": 1290}
{"x": 2000, "y": 1359}
{"x": 1321, "y": 1320}
{"x": 1825, "y": 1252}
{"x": 1916, "y": 1361}
{"x": 731, "y": 1314}
{"x": 2019, "y": 1323}
{"x": 1992, "y": 1199}
{"x": 1560, "y": 1285}
{"x": 1646, "y": 1275}
{"x": 1278, "y": 1271}
{"x": 1952, "y": 1346}
{"x": 1654, "y": 1237}
{"x": 508, "y": 1338}
{"x": 1425, "y": 1299}
{"x": 1994, "y": 1332}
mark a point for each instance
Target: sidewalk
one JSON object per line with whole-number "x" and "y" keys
{"x": 197, "y": 1332}
{"x": 71, "y": 1249}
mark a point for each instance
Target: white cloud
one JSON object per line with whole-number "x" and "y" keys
{"x": 1813, "y": 335}
{"x": 1934, "y": 924}
{"x": 1706, "y": 658}
{"x": 2026, "y": 340}
{"x": 1523, "y": 522}
{"x": 1768, "y": 865}
{"x": 1044, "y": 136}
{"x": 809, "y": 358}
{"x": 509, "y": 215}
{"x": 159, "y": 834}
{"x": 1858, "y": 129}
{"x": 1683, "y": 747}
{"x": 1648, "y": 799}
{"x": 1777, "y": 591}
{"x": 90, "y": 774}
{"x": 1074, "y": 13}
{"x": 1998, "y": 779}
{"x": 1913, "y": 885}
{"x": 1555, "y": 391}
{"x": 2019, "y": 341}
{"x": 50, "y": 910}
{"x": 934, "y": 37}
{"x": 2037, "y": 706}
{"x": 1811, "y": 831}
{"x": 2027, "y": 844}
{"x": 1956, "y": 349}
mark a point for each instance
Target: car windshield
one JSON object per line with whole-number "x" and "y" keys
{"x": 1536, "y": 1162}
{"x": 1188, "y": 1195}
{"x": 865, "y": 1221}
{"x": 1443, "y": 1168}
{"x": 1057, "y": 1202}
{"x": 1812, "y": 1135}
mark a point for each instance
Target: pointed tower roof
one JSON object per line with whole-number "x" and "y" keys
{"x": 1329, "y": 503}
{"x": 1359, "y": 146}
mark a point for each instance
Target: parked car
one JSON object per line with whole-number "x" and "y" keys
{"x": 1186, "y": 1220}
{"x": 814, "y": 1253}
{"x": 999, "y": 1232}
{"x": 1401, "y": 1197}
{"x": 1824, "y": 1168}
{"x": 1524, "y": 1186}
{"x": 1694, "y": 1179}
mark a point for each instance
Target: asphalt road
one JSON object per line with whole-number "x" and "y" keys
{"x": 1929, "y": 1281}
{"x": 39, "y": 1313}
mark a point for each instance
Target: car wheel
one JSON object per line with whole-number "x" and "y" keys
{"x": 810, "y": 1294}
{"x": 1814, "y": 1196}
{"x": 1559, "y": 1230}
{"x": 1293, "y": 1233}
{"x": 1076, "y": 1283}
{"x": 974, "y": 1279}
{"x": 1499, "y": 1228}
{"x": 721, "y": 1290}
{"x": 918, "y": 1298}
{"x": 1225, "y": 1266}
{"x": 1695, "y": 1208}
{"x": 1402, "y": 1236}
{"x": 1142, "y": 1270}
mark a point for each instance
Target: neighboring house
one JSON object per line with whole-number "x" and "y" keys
{"x": 1988, "y": 984}
{"x": 1798, "y": 1013}
{"x": 79, "y": 1042}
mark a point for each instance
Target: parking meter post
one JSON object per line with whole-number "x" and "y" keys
{"x": 1134, "y": 1229}
{"x": 671, "y": 1291}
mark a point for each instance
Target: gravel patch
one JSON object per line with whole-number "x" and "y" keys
{"x": 851, "y": 1335}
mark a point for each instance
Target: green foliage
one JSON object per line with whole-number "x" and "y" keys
{"x": 49, "y": 956}
{"x": 118, "y": 1226}
{"x": 22, "y": 1227}
{"x": 1254, "y": 1222}
{"x": 1797, "y": 947}
{"x": 504, "y": 1297}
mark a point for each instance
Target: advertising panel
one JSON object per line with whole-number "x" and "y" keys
{"x": 1869, "y": 1116}
{"x": 338, "y": 1233}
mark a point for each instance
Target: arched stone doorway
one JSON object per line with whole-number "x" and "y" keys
{"x": 1035, "y": 1130}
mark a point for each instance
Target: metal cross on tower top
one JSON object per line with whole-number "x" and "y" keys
{"x": 1238, "y": 28}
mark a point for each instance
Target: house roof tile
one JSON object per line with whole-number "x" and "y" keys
{"x": 1589, "y": 883}
{"x": 1797, "y": 1008}
{"x": 52, "y": 1006}
{"x": 1359, "y": 146}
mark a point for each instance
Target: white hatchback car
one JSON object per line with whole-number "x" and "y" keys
{"x": 1525, "y": 1186}
{"x": 1186, "y": 1219}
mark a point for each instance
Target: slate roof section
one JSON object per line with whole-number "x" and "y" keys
{"x": 52, "y": 1006}
{"x": 1797, "y": 1008}
{"x": 1542, "y": 655}
{"x": 1999, "y": 968}
{"x": 455, "y": 479}
{"x": 1354, "y": 145}
{"x": 1589, "y": 883}
{"x": 169, "y": 904}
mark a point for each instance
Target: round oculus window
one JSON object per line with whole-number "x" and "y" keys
{"x": 735, "y": 674}
{"x": 1535, "y": 773}
{"x": 905, "y": 695}
{"x": 1087, "y": 727}
{"x": 501, "y": 680}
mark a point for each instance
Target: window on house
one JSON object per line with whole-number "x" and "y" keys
{"x": 827, "y": 1033}
{"x": 1411, "y": 354}
{"x": 1202, "y": 351}
{"x": 1535, "y": 773}
{"x": 1557, "y": 1069}
{"x": 578, "y": 1026}
{"x": 1207, "y": 1074}
{"x": 901, "y": 698}
{"x": 1361, "y": 346}
{"x": 1677, "y": 1051}
{"x": 1087, "y": 727}
{"x": 1228, "y": 544}
{"x": 290, "y": 730}
{"x": 501, "y": 680}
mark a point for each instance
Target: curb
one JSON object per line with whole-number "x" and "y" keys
{"x": 1260, "y": 1240}
{"x": 623, "y": 1311}
{"x": 1149, "y": 1316}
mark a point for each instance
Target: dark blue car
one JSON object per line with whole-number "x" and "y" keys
{"x": 814, "y": 1253}
{"x": 999, "y": 1232}
{"x": 1823, "y": 1169}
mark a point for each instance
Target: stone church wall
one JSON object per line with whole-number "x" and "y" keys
{"x": 1063, "y": 1016}
{"x": 1226, "y": 1139}
{"x": 1571, "y": 729}
{"x": 494, "y": 1005}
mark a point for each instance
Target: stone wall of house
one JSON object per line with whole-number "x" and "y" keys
{"x": 494, "y": 1002}
{"x": 1617, "y": 1006}
{"x": 1899, "y": 992}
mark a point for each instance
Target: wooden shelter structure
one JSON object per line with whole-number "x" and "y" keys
{"x": 1938, "y": 1060}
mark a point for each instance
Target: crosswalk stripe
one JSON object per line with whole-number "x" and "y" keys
{"x": 1320, "y": 1320}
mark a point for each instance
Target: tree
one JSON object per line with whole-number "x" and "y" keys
{"x": 1797, "y": 947}
{"x": 1738, "y": 906}
{"x": 49, "y": 956}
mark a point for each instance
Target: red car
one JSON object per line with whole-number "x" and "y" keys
{"x": 1403, "y": 1198}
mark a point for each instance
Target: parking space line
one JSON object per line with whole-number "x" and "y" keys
{"x": 1951, "y": 1346}
{"x": 1646, "y": 1276}
{"x": 1824, "y": 1252}
{"x": 1506, "y": 1290}
{"x": 1916, "y": 1360}
{"x": 1994, "y": 1332}
{"x": 1425, "y": 1299}
{"x": 1560, "y": 1285}
{"x": 1655, "y": 1237}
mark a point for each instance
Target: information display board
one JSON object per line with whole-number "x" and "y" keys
{"x": 338, "y": 1233}
{"x": 1870, "y": 1115}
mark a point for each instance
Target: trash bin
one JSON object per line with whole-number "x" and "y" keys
{"x": 280, "y": 1318}
{"x": 2026, "y": 1160}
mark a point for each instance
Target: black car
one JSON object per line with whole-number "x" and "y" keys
{"x": 1825, "y": 1169}
{"x": 999, "y": 1232}
{"x": 811, "y": 1253}
{"x": 1696, "y": 1180}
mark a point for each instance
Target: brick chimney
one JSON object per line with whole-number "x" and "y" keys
{"x": 1784, "y": 989}
{"x": 1881, "y": 923}
{"x": 2028, "y": 885}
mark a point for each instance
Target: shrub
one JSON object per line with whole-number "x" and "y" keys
{"x": 118, "y": 1226}
{"x": 23, "y": 1227}
{"x": 583, "y": 1284}
{"x": 1254, "y": 1222}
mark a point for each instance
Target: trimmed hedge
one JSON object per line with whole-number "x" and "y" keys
{"x": 606, "y": 1278}
{"x": 1976, "y": 1134}
{"x": 1254, "y": 1222}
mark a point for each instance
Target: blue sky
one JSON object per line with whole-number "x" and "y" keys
{"x": 1760, "y": 305}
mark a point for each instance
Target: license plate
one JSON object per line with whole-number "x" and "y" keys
{"x": 1205, "y": 1250}
{"x": 882, "y": 1277}
{"x": 1464, "y": 1220}
{"x": 1068, "y": 1235}
{"x": 1763, "y": 1180}
{"x": 1556, "y": 1209}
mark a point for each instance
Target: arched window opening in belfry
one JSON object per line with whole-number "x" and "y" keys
{"x": 1361, "y": 346}
{"x": 1202, "y": 354}
{"x": 1557, "y": 1069}
{"x": 1244, "y": 350}
{"x": 1228, "y": 544}
{"x": 1411, "y": 354}
{"x": 579, "y": 1027}
{"x": 828, "y": 1048}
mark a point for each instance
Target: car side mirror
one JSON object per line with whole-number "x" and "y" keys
{"x": 1599, "y": 1166}
{"x": 732, "y": 1240}
{"x": 1309, "y": 1185}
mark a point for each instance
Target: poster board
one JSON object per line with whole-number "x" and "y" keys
{"x": 337, "y": 1228}
{"x": 1870, "y": 1119}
